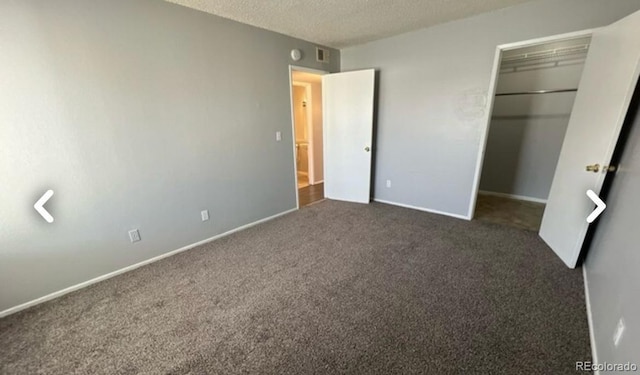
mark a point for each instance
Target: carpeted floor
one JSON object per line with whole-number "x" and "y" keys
{"x": 506, "y": 211}
{"x": 332, "y": 288}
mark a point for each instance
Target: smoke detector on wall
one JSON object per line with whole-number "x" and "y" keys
{"x": 322, "y": 55}
{"x": 296, "y": 54}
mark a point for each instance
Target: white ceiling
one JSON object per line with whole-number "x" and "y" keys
{"x": 344, "y": 23}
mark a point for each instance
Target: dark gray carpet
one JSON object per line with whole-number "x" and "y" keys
{"x": 333, "y": 288}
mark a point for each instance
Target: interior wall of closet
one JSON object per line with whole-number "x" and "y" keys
{"x": 534, "y": 97}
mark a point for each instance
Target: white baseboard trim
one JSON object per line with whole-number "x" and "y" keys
{"x": 513, "y": 196}
{"x": 592, "y": 336}
{"x": 318, "y": 182}
{"x": 422, "y": 209}
{"x": 132, "y": 267}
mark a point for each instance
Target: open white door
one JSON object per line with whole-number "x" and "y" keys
{"x": 347, "y": 104}
{"x": 607, "y": 84}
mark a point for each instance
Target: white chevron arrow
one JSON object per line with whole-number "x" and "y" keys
{"x": 600, "y": 206}
{"x": 40, "y": 203}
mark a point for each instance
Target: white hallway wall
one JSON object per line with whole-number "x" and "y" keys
{"x": 429, "y": 117}
{"x": 318, "y": 154}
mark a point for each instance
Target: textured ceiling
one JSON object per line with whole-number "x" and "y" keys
{"x": 344, "y": 23}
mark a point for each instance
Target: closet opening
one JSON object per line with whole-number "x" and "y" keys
{"x": 535, "y": 88}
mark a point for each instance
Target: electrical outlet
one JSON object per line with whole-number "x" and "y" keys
{"x": 204, "y": 214}
{"x": 617, "y": 335}
{"x": 134, "y": 235}
{"x": 278, "y": 136}
{"x": 388, "y": 183}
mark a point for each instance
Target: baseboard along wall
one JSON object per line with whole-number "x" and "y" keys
{"x": 73, "y": 288}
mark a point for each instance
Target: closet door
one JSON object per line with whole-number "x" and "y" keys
{"x": 607, "y": 84}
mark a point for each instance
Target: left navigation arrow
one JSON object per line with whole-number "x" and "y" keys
{"x": 39, "y": 206}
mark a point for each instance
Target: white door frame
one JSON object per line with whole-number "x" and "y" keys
{"x": 309, "y": 115}
{"x": 293, "y": 68}
{"x": 491, "y": 98}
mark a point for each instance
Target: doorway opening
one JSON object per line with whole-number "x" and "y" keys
{"x": 306, "y": 108}
{"x": 534, "y": 90}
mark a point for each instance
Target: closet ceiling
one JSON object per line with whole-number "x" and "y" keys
{"x": 344, "y": 23}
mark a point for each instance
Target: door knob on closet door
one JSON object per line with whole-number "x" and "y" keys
{"x": 595, "y": 168}
{"x": 367, "y": 149}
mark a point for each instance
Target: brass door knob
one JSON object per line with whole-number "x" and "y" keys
{"x": 367, "y": 149}
{"x": 595, "y": 168}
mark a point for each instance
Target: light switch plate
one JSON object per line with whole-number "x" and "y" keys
{"x": 204, "y": 214}
{"x": 278, "y": 136}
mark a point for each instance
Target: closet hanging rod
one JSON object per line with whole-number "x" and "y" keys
{"x": 535, "y": 92}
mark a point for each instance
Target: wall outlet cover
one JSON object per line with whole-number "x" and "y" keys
{"x": 134, "y": 235}
{"x": 204, "y": 214}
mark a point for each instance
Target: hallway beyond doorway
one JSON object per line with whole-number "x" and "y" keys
{"x": 311, "y": 194}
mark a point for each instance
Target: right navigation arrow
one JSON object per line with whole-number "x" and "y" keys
{"x": 600, "y": 206}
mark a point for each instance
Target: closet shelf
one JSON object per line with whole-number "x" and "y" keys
{"x": 556, "y": 53}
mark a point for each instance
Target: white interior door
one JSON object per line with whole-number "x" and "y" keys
{"x": 348, "y": 126}
{"x": 607, "y": 84}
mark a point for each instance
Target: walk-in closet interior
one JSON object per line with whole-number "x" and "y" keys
{"x": 535, "y": 91}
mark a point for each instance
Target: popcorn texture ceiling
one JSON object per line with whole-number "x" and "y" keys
{"x": 344, "y": 23}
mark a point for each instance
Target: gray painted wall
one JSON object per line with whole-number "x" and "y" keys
{"x": 526, "y": 132}
{"x": 138, "y": 114}
{"x": 430, "y": 94}
{"x": 613, "y": 261}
